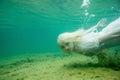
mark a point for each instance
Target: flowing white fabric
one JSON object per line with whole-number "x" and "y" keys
{"x": 91, "y": 41}
{"x": 112, "y": 28}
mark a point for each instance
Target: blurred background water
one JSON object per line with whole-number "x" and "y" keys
{"x": 32, "y": 26}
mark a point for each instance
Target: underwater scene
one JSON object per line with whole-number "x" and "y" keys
{"x": 59, "y": 39}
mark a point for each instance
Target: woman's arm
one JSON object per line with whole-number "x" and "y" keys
{"x": 101, "y": 23}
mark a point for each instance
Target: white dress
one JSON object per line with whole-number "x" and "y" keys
{"x": 113, "y": 28}
{"x": 90, "y": 43}
{"x": 87, "y": 44}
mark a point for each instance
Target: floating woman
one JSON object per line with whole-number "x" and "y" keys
{"x": 89, "y": 41}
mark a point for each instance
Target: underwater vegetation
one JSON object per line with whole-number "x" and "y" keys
{"x": 109, "y": 58}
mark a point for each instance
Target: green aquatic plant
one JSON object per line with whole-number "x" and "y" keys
{"x": 109, "y": 58}
{"x": 103, "y": 58}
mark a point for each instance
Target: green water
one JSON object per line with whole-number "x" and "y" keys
{"x": 32, "y": 26}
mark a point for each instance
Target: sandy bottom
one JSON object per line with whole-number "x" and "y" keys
{"x": 55, "y": 66}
